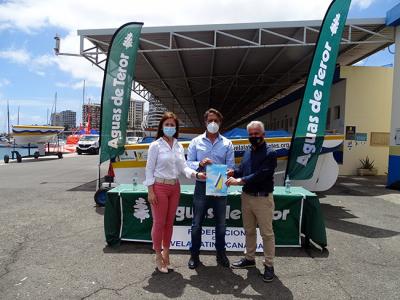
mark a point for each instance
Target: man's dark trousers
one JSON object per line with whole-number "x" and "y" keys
{"x": 201, "y": 203}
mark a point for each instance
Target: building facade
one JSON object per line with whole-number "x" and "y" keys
{"x": 94, "y": 110}
{"x": 156, "y": 111}
{"x": 135, "y": 115}
{"x": 360, "y": 108}
{"x": 55, "y": 119}
{"x": 68, "y": 119}
{"x": 65, "y": 118}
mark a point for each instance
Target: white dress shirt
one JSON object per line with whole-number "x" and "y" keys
{"x": 165, "y": 162}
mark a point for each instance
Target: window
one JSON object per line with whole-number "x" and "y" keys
{"x": 337, "y": 112}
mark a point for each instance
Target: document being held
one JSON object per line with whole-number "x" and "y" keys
{"x": 216, "y": 178}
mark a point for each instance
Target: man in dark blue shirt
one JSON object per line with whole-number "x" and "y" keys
{"x": 256, "y": 174}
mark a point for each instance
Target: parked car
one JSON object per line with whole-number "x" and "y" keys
{"x": 131, "y": 140}
{"x": 88, "y": 143}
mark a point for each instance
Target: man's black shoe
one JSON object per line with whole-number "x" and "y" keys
{"x": 193, "y": 262}
{"x": 268, "y": 274}
{"x": 244, "y": 263}
{"x": 222, "y": 259}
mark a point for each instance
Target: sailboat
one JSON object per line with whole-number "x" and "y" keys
{"x": 33, "y": 135}
{"x": 4, "y": 142}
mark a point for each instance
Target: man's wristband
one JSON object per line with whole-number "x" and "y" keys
{"x": 197, "y": 175}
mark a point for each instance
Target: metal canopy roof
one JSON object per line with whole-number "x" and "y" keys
{"x": 236, "y": 68}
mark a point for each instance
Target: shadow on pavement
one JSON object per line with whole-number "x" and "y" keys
{"x": 130, "y": 247}
{"x": 334, "y": 219}
{"x": 359, "y": 186}
{"x": 309, "y": 251}
{"x": 170, "y": 285}
{"x": 216, "y": 280}
{"x": 86, "y": 187}
{"x": 273, "y": 290}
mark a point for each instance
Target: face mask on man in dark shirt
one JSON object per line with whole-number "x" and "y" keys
{"x": 255, "y": 140}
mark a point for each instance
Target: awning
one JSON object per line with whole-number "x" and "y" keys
{"x": 236, "y": 68}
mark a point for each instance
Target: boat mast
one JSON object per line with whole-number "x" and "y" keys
{"x": 55, "y": 104}
{"x": 8, "y": 119}
{"x": 83, "y": 101}
{"x": 53, "y": 116}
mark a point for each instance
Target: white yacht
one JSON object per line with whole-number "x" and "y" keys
{"x": 5, "y": 142}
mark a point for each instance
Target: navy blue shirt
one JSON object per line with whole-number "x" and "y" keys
{"x": 257, "y": 169}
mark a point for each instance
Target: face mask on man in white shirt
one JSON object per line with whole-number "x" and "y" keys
{"x": 212, "y": 127}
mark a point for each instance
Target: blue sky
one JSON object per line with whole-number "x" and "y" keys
{"x": 30, "y": 74}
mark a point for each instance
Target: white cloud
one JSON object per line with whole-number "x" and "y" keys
{"x": 43, "y": 102}
{"x": 27, "y": 119}
{"x": 62, "y": 84}
{"x": 43, "y": 61}
{"x": 35, "y": 64}
{"x": 19, "y": 56}
{"x": 77, "y": 67}
{"x": 31, "y": 15}
{"x": 4, "y": 82}
{"x": 75, "y": 85}
{"x": 39, "y": 64}
{"x": 363, "y": 4}
{"x": 74, "y": 15}
{"x": 40, "y": 73}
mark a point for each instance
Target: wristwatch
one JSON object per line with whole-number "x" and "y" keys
{"x": 197, "y": 175}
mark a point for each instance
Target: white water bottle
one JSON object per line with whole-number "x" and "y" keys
{"x": 287, "y": 184}
{"x": 135, "y": 180}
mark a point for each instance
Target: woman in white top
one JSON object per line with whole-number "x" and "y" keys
{"x": 165, "y": 162}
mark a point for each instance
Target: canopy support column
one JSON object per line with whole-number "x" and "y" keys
{"x": 393, "y": 19}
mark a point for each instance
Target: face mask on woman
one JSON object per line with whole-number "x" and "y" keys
{"x": 169, "y": 131}
{"x": 212, "y": 127}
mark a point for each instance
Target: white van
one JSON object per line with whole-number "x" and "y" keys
{"x": 88, "y": 143}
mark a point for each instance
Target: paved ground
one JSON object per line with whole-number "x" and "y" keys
{"x": 52, "y": 246}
